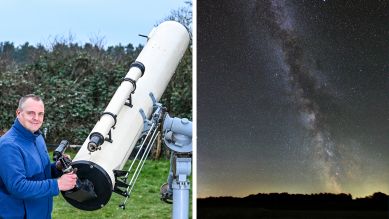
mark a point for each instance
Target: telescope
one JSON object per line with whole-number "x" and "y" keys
{"x": 132, "y": 115}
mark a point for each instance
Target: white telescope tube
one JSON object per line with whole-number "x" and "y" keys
{"x": 124, "y": 123}
{"x": 108, "y": 119}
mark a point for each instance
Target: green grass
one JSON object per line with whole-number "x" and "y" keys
{"x": 144, "y": 201}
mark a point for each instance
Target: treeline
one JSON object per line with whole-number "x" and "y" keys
{"x": 77, "y": 81}
{"x": 284, "y": 201}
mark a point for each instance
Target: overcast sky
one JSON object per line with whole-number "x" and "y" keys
{"x": 117, "y": 21}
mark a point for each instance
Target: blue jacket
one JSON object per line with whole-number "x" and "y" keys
{"x": 26, "y": 184}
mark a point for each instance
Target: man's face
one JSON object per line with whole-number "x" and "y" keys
{"x": 31, "y": 115}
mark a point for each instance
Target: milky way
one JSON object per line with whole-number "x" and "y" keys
{"x": 292, "y": 97}
{"x": 304, "y": 86}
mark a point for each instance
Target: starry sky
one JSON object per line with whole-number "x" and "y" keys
{"x": 292, "y": 96}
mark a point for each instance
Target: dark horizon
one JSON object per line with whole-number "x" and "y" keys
{"x": 284, "y": 205}
{"x": 280, "y": 193}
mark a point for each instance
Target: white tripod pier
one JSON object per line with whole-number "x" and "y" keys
{"x": 178, "y": 137}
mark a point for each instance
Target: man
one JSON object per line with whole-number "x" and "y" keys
{"x": 27, "y": 178}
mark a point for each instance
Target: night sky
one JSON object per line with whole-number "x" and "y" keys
{"x": 292, "y": 96}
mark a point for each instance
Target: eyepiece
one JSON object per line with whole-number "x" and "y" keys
{"x": 96, "y": 139}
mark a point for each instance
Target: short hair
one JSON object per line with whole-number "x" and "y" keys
{"x": 26, "y": 97}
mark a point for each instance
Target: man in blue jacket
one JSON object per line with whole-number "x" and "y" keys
{"x": 27, "y": 178}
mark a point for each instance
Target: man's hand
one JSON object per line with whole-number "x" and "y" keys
{"x": 67, "y": 181}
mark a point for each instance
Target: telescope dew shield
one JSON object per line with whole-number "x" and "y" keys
{"x": 151, "y": 72}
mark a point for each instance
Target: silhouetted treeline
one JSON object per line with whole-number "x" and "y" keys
{"x": 284, "y": 201}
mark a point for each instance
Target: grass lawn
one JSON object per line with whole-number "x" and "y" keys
{"x": 144, "y": 201}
